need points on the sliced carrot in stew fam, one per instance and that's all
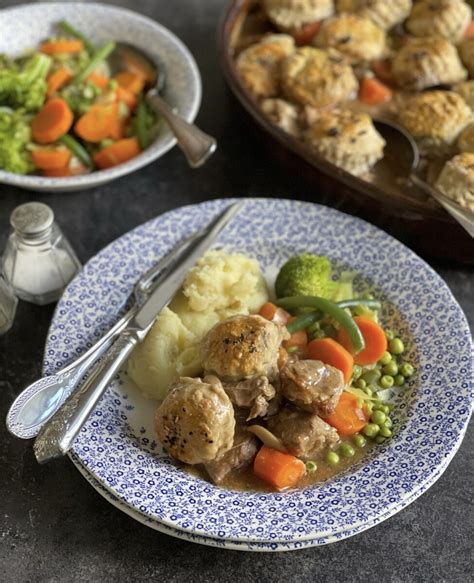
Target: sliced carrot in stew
(57, 79)
(374, 92)
(130, 81)
(65, 171)
(281, 470)
(99, 123)
(297, 341)
(271, 312)
(52, 122)
(129, 98)
(100, 81)
(62, 46)
(305, 34)
(51, 159)
(330, 352)
(117, 153)
(348, 417)
(374, 339)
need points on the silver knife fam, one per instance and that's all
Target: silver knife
(57, 435)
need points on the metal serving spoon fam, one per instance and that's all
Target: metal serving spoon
(402, 153)
(196, 145)
(40, 400)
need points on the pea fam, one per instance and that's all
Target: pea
(386, 381)
(311, 467)
(371, 376)
(368, 391)
(369, 408)
(407, 370)
(356, 372)
(389, 335)
(379, 439)
(385, 409)
(386, 358)
(396, 346)
(378, 417)
(385, 431)
(346, 450)
(360, 384)
(391, 368)
(371, 430)
(359, 440)
(332, 458)
(388, 423)
(399, 380)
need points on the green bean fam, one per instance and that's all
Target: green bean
(372, 304)
(69, 29)
(143, 137)
(333, 310)
(77, 149)
(99, 56)
(300, 322)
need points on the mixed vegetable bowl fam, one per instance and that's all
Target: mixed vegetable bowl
(63, 113)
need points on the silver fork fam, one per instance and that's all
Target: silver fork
(40, 400)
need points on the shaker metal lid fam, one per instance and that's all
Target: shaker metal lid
(32, 218)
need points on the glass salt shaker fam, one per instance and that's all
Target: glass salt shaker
(38, 260)
(8, 304)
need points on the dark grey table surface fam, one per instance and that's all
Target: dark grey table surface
(54, 527)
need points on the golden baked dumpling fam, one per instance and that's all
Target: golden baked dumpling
(315, 77)
(427, 62)
(282, 114)
(445, 18)
(466, 139)
(294, 14)
(435, 119)
(347, 139)
(456, 180)
(356, 37)
(258, 66)
(385, 13)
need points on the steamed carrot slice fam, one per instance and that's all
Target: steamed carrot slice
(304, 35)
(330, 352)
(64, 172)
(51, 159)
(100, 81)
(271, 312)
(134, 64)
(52, 122)
(57, 79)
(374, 339)
(62, 46)
(348, 417)
(281, 470)
(117, 153)
(130, 81)
(298, 340)
(99, 123)
(127, 97)
(374, 92)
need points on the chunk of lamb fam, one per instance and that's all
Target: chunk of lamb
(312, 386)
(243, 347)
(253, 394)
(304, 434)
(195, 422)
(241, 453)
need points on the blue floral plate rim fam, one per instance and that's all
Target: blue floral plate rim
(364, 243)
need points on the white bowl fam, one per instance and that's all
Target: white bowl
(24, 27)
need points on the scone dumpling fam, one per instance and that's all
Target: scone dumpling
(384, 13)
(282, 114)
(195, 422)
(466, 50)
(315, 77)
(435, 119)
(258, 66)
(444, 18)
(466, 91)
(356, 37)
(427, 62)
(347, 139)
(289, 15)
(456, 180)
(243, 347)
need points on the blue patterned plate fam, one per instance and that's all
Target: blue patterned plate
(24, 27)
(118, 446)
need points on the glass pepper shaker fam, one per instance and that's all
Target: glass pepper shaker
(8, 304)
(38, 260)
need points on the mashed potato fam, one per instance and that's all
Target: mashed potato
(219, 286)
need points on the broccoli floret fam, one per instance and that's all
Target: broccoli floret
(305, 275)
(25, 88)
(15, 134)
